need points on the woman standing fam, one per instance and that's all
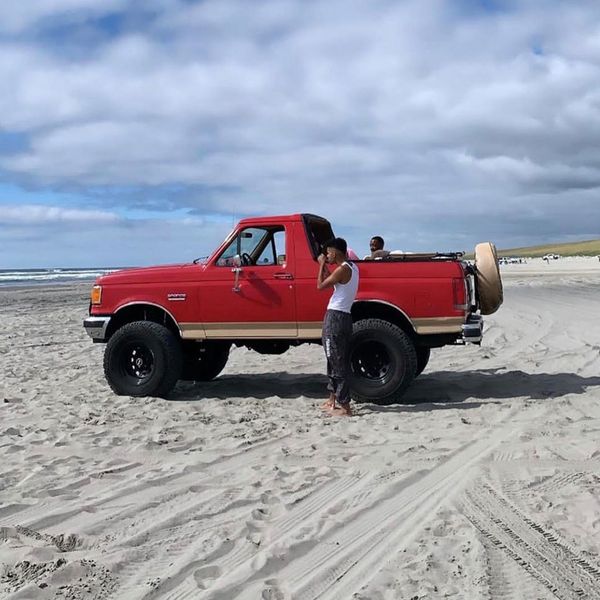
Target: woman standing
(337, 325)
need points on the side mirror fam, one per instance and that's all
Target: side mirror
(237, 261)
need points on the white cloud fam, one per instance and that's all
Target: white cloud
(407, 109)
(33, 215)
(50, 237)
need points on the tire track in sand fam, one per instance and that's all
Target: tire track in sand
(507, 581)
(138, 494)
(538, 551)
(349, 554)
(182, 578)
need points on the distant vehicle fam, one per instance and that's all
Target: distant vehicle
(511, 260)
(551, 256)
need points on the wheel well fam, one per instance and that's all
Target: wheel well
(386, 312)
(141, 312)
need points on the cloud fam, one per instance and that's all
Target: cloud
(425, 117)
(47, 236)
(17, 17)
(33, 215)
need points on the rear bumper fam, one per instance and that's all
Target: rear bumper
(96, 327)
(472, 330)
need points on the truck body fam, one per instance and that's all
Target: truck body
(258, 289)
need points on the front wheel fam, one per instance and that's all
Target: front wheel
(383, 362)
(142, 358)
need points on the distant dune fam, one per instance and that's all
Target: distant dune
(587, 248)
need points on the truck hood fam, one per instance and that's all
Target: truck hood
(158, 274)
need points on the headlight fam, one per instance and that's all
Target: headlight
(96, 295)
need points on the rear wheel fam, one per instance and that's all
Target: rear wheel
(142, 358)
(423, 354)
(204, 361)
(383, 362)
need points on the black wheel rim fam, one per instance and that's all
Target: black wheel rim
(371, 360)
(137, 362)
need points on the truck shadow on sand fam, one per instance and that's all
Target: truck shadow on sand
(435, 388)
(471, 389)
(260, 385)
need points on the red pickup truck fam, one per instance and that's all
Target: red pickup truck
(258, 289)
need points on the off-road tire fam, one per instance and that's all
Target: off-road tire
(145, 342)
(423, 355)
(204, 361)
(490, 294)
(378, 337)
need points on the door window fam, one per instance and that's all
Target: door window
(259, 246)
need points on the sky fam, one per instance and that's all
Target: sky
(137, 132)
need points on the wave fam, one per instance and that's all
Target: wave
(40, 276)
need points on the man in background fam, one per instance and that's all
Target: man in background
(376, 246)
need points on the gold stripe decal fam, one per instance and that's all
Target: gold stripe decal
(275, 330)
(308, 330)
(432, 325)
(192, 331)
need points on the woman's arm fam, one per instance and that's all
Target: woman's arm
(323, 273)
(325, 280)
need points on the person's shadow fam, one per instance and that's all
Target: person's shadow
(438, 389)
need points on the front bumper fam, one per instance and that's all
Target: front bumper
(96, 327)
(472, 330)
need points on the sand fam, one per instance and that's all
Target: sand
(485, 484)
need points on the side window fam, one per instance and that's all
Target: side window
(279, 239)
(252, 241)
(267, 256)
(226, 258)
(273, 249)
(256, 246)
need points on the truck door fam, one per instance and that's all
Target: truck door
(248, 290)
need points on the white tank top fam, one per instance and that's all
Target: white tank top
(344, 293)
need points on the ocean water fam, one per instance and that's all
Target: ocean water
(11, 277)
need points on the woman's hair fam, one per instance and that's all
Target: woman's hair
(337, 243)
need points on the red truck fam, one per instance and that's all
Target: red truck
(258, 289)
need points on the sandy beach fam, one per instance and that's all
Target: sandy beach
(484, 484)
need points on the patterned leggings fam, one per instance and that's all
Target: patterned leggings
(337, 329)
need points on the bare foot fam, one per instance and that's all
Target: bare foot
(341, 410)
(329, 404)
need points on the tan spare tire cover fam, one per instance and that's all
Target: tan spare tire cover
(489, 282)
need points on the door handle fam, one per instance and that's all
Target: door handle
(236, 281)
(283, 276)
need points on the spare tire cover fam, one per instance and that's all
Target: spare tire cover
(489, 282)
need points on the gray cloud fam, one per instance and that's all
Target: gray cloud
(439, 125)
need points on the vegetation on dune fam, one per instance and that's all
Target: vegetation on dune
(586, 248)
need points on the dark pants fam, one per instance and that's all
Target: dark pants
(337, 329)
